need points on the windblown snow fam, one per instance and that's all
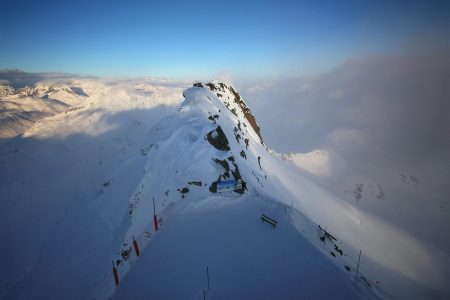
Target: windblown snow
(83, 163)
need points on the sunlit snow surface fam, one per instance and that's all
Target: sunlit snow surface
(77, 186)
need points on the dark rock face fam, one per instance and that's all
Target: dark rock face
(224, 165)
(248, 114)
(218, 139)
(213, 118)
(184, 190)
(238, 100)
(211, 86)
(236, 174)
(213, 186)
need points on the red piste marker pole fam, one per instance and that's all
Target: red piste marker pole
(155, 218)
(116, 275)
(136, 248)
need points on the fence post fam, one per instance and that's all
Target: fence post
(207, 275)
(357, 268)
(155, 218)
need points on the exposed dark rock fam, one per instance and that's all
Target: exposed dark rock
(218, 139)
(183, 191)
(243, 154)
(131, 208)
(247, 113)
(257, 178)
(198, 84)
(238, 100)
(213, 118)
(213, 186)
(211, 86)
(223, 163)
(238, 137)
(338, 250)
(197, 183)
(126, 253)
(236, 174)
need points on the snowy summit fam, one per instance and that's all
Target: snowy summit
(214, 141)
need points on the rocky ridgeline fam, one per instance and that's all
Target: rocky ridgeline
(223, 91)
(219, 140)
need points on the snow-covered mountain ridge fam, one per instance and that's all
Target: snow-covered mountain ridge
(135, 142)
(213, 137)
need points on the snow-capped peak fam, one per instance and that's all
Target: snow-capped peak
(233, 102)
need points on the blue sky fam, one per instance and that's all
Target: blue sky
(203, 38)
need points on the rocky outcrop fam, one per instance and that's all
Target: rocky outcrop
(221, 88)
(247, 113)
(218, 139)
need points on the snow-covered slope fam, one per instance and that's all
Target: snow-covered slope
(316, 162)
(79, 187)
(22, 107)
(411, 241)
(54, 173)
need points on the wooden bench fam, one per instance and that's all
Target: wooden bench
(269, 220)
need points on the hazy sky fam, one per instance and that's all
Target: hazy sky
(203, 38)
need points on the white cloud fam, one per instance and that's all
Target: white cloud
(345, 137)
(379, 117)
(400, 102)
